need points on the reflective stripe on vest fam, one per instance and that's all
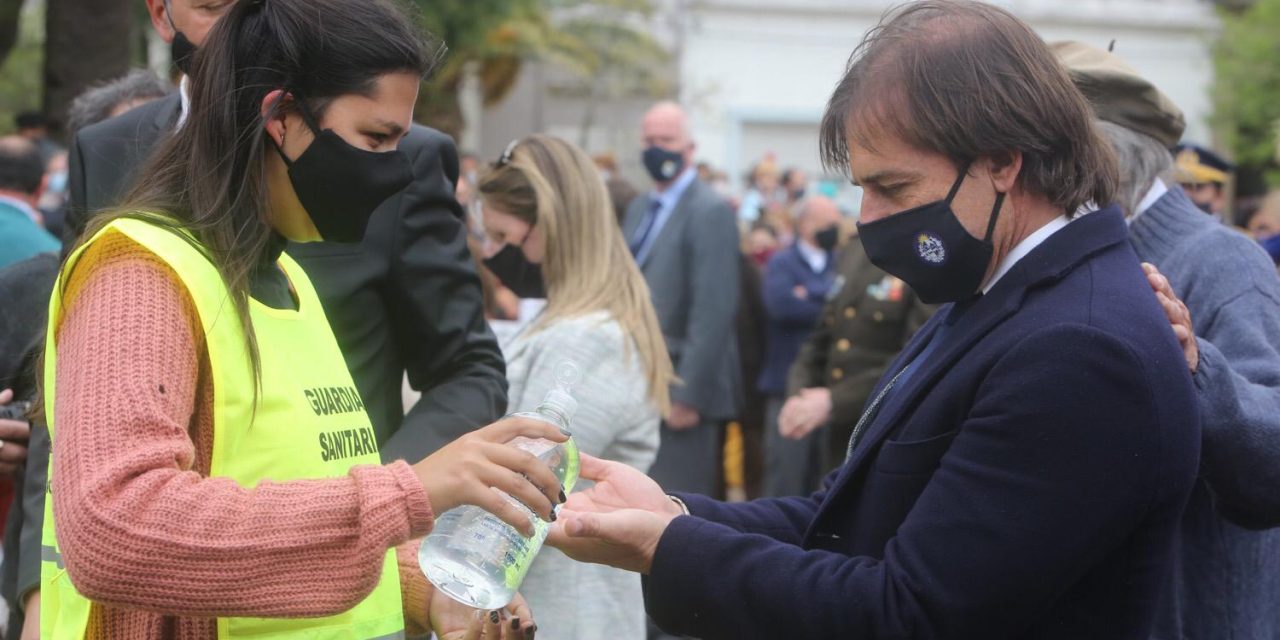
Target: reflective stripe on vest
(309, 423)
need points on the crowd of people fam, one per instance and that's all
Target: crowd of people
(1030, 388)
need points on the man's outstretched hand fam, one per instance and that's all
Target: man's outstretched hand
(618, 521)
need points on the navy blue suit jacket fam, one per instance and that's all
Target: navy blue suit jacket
(1025, 482)
(791, 319)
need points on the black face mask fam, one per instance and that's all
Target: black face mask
(182, 51)
(930, 250)
(828, 238)
(522, 277)
(340, 186)
(663, 165)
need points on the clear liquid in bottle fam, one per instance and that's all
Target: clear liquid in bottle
(472, 555)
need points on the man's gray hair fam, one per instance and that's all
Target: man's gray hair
(97, 104)
(1142, 159)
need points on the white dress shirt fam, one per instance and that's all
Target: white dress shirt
(1021, 249)
(817, 258)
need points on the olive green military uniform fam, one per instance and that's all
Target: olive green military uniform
(867, 320)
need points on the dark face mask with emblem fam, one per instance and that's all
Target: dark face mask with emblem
(662, 165)
(930, 250)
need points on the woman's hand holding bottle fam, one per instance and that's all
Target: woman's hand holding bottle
(467, 470)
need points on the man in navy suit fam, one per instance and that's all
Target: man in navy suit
(797, 282)
(1021, 469)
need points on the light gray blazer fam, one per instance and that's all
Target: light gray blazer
(693, 273)
(615, 421)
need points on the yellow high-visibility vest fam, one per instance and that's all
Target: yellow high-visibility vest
(309, 423)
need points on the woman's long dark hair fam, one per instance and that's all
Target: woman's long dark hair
(208, 178)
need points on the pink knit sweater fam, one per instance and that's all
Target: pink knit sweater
(159, 546)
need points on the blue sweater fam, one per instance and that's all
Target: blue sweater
(1226, 582)
(791, 319)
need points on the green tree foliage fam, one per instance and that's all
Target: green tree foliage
(10, 21)
(20, 72)
(494, 34)
(612, 57)
(590, 39)
(1246, 89)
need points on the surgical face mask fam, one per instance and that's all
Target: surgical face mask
(341, 186)
(57, 183)
(930, 250)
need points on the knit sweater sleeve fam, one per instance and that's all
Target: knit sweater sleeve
(139, 527)
(1238, 381)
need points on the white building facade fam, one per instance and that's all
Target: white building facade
(756, 74)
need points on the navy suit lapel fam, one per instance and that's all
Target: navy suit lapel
(985, 315)
(1058, 255)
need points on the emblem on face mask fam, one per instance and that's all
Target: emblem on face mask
(669, 168)
(930, 249)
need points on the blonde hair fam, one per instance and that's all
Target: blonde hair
(587, 267)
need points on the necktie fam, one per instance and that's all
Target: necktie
(646, 227)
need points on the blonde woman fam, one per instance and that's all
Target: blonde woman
(545, 197)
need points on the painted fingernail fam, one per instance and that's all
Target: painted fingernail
(493, 617)
(562, 496)
(532, 630)
(553, 515)
(515, 624)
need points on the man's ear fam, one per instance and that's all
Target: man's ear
(1005, 167)
(161, 21)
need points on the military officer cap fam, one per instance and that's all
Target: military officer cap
(1119, 94)
(1198, 165)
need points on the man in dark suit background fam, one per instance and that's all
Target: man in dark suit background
(1022, 467)
(868, 319)
(685, 239)
(797, 281)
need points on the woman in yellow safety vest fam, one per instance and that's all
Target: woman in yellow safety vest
(214, 474)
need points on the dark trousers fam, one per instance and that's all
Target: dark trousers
(791, 467)
(689, 460)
